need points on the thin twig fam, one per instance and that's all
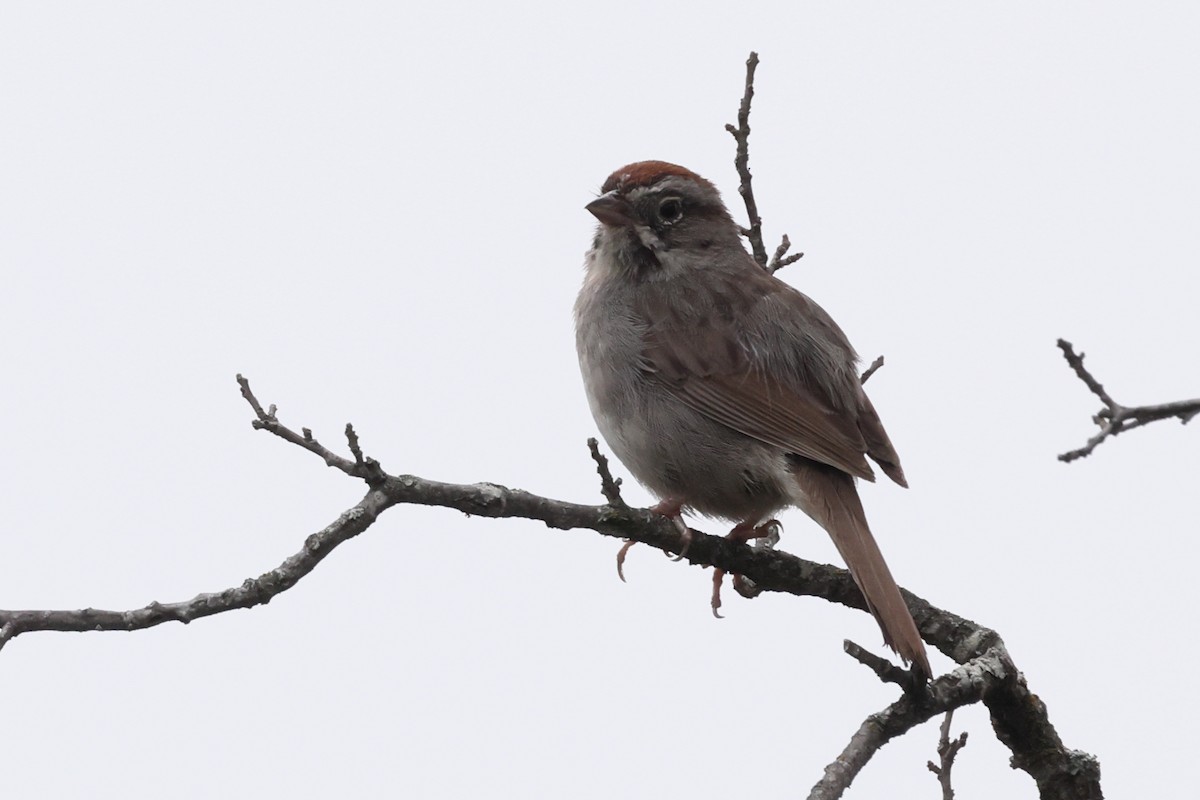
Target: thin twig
(1115, 418)
(871, 370)
(992, 678)
(352, 443)
(741, 161)
(610, 487)
(947, 750)
(741, 134)
(367, 469)
(253, 401)
(1076, 363)
(885, 670)
(779, 261)
(252, 592)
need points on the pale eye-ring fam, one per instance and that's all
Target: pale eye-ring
(670, 210)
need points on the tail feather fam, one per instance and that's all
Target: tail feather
(828, 496)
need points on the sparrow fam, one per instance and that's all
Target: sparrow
(723, 390)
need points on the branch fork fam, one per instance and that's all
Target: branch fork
(1115, 418)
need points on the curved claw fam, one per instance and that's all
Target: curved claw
(685, 534)
(768, 536)
(671, 508)
(621, 558)
(718, 577)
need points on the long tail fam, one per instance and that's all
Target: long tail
(829, 497)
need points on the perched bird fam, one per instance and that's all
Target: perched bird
(721, 388)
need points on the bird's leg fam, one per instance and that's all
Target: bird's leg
(718, 577)
(672, 509)
(742, 533)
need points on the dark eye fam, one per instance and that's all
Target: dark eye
(670, 210)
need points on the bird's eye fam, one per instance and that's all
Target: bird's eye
(670, 210)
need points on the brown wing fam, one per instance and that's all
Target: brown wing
(702, 354)
(879, 446)
(764, 409)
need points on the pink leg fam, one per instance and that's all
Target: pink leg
(718, 577)
(742, 533)
(672, 509)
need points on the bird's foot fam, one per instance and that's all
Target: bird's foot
(671, 509)
(742, 533)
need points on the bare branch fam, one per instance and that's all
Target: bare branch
(947, 751)
(884, 669)
(987, 673)
(741, 134)
(778, 261)
(1115, 418)
(1018, 718)
(252, 592)
(1076, 363)
(366, 468)
(253, 401)
(965, 685)
(610, 487)
(352, 443)
(871, 370)
(741, 161)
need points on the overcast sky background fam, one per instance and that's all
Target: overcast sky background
(375, 212)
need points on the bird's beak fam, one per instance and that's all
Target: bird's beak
(611, 209)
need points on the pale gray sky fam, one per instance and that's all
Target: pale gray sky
(375, 212)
